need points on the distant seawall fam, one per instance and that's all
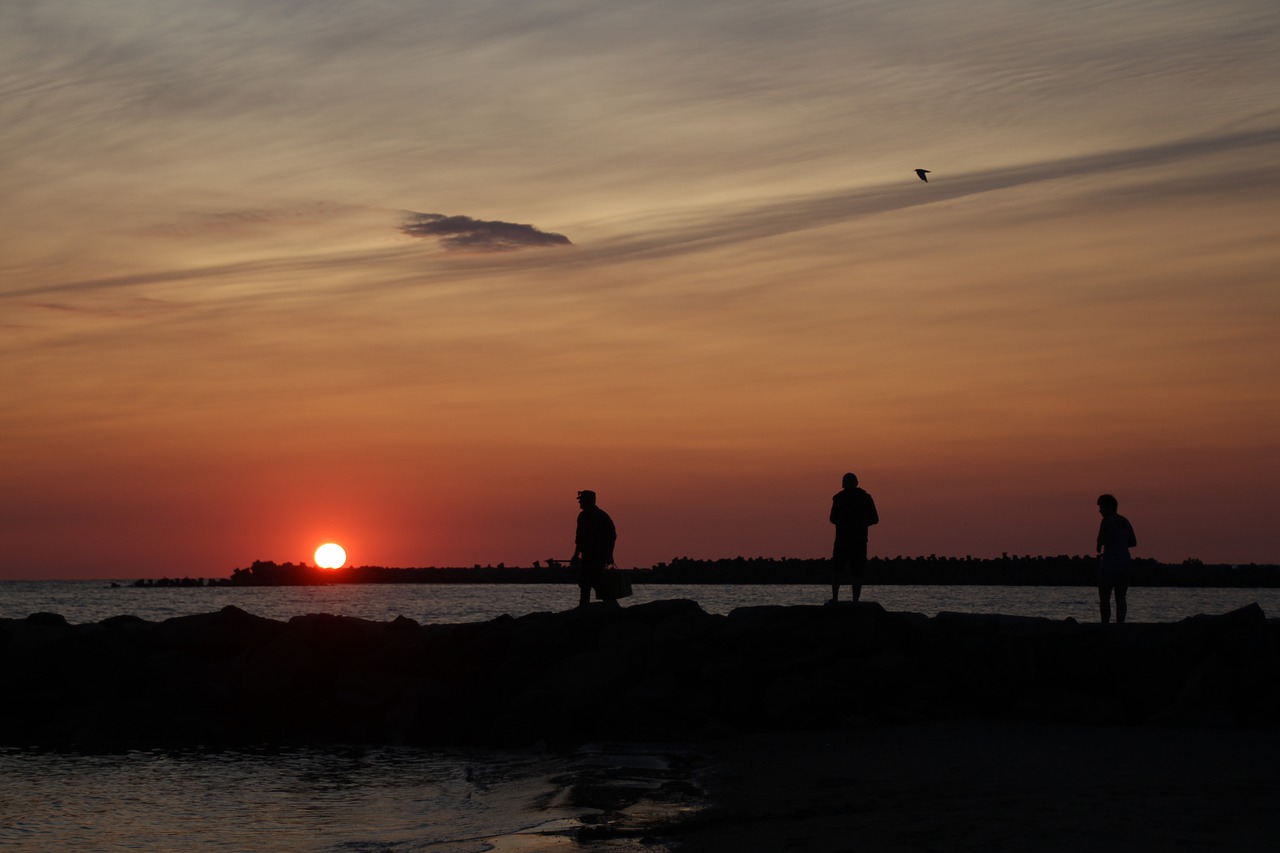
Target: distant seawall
(949, 571)
(660, 670)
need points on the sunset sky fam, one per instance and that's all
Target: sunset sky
(407, 275)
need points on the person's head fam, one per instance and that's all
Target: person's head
(850, 481)
(586, 498)
(1107, 504)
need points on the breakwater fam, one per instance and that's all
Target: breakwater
(656, 671)
(881, 571)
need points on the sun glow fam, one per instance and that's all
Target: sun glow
(331, 556)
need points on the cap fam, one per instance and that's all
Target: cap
(586, 493)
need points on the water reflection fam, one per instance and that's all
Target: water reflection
(319, 800)
(390, 799)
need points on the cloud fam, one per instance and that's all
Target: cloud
(464, 234)
(193, 224)
(684, 232)
(716, 227)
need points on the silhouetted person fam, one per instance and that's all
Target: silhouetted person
(593, 547)
(852, 512)
(1115, 538)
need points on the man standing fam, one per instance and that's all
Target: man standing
(593, 546)
(852, 512)
(1115, 538)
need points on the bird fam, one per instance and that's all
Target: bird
(923, 173)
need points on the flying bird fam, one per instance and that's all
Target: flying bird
(923, 173)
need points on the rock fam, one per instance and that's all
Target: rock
(661, 670)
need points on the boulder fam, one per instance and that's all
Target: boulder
(664, 669)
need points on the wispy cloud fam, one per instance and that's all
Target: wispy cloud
(193, 224)
(686, 231)
(464, 234)
(716, 226)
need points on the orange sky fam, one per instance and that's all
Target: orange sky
(229, 333)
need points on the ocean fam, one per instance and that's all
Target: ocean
(93, 601)
(396, 800)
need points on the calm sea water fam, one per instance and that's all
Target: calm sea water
(93, 601)
(401, 800)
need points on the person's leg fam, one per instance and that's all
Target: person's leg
(839, 567)
(1122, 606)
(1104, 602)
(591, 579)
(857, 567)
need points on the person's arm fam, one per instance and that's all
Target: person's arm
(577, 541)
(1102, 534)
(873, 517)
(1133, 537)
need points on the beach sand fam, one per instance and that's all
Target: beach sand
(991, 787)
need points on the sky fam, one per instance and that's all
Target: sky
(405, 276)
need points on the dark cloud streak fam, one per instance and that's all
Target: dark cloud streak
(464, 234)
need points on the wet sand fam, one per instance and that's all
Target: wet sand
(616, 798)
(992, 787)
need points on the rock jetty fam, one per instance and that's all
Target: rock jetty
(658, 671)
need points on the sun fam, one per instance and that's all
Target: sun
(331, 556)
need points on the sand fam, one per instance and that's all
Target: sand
(991, 787)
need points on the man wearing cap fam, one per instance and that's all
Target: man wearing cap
(593, 546)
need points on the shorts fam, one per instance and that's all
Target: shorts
(1115, 572)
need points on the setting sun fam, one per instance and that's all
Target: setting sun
(331, 556)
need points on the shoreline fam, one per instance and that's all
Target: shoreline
(985, 786)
